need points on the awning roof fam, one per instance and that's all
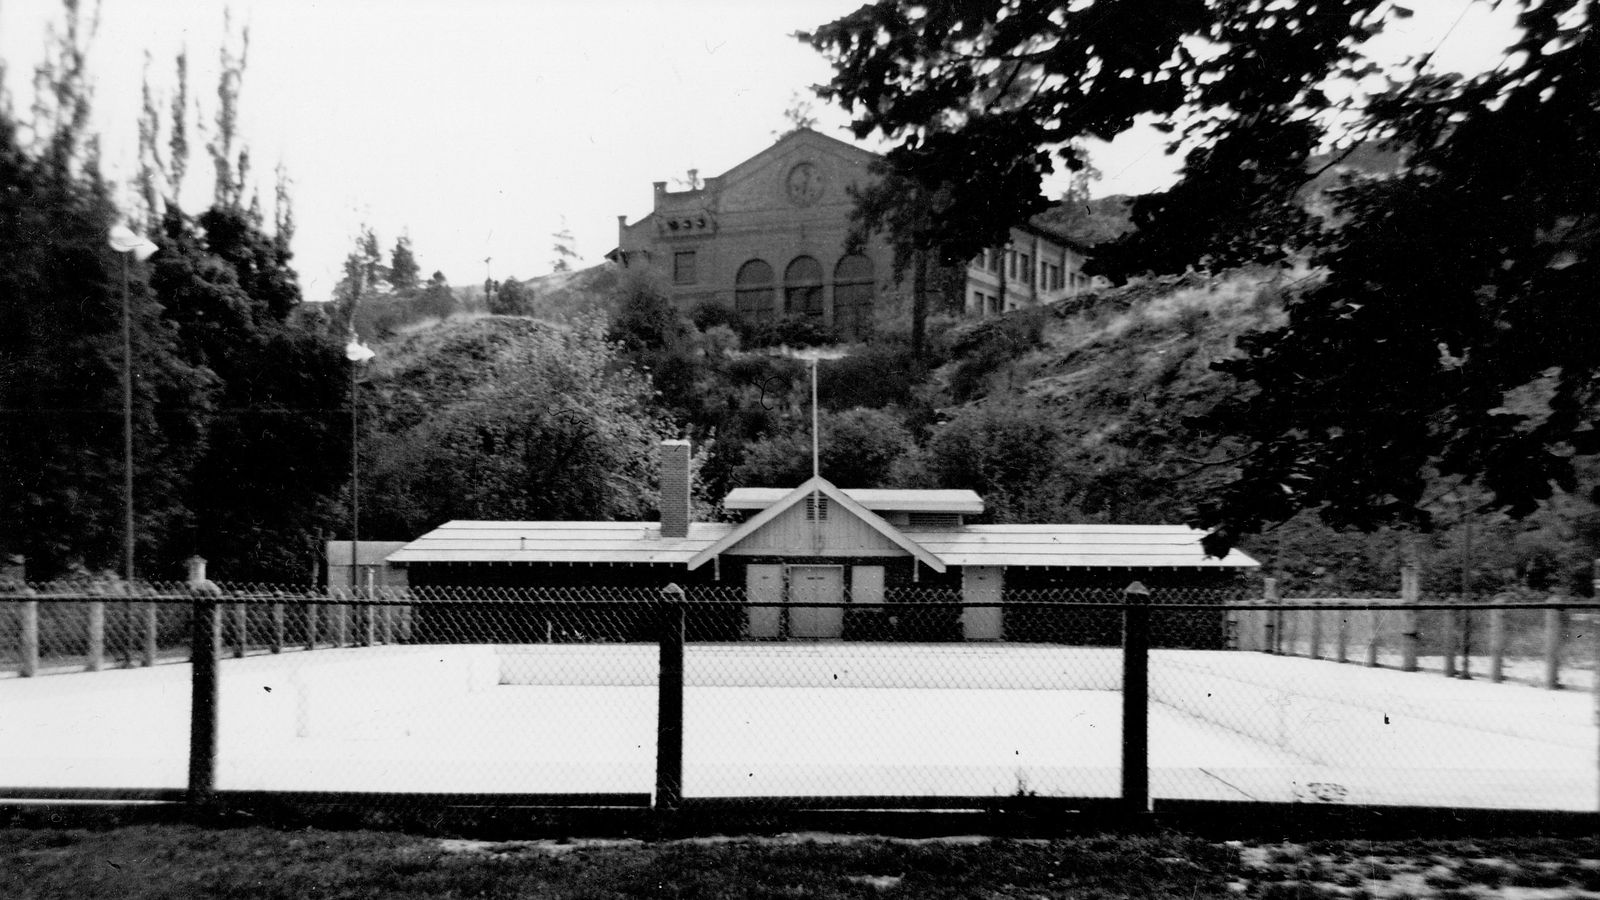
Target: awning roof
(468, 541)
(1075, 546)
(1061, 546)
(875, 499)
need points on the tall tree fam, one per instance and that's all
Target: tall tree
(403, 268)
(564, 249)
(61, 356)
(1460, 281)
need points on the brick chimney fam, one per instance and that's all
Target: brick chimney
(197, 569)
(674, 489)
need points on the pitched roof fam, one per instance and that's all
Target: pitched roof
(468, 541)
(877, 500)
(823, 486)
(1134, 546)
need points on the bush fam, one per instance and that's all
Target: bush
(788, 331)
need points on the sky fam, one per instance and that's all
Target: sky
(481, 127)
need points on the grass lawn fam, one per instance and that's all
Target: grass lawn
(188, 861)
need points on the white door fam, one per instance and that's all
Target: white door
(816, 584)
(981, 584)
(764, 584)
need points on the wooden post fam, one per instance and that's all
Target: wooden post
(241, 625)
(669, 711)
(152, 632)
(1497, 645)
(97, 636)
(1452, 642)
(1136, 698)
(1373, 639)
(30, 639)
(1272, 621)
(1410, 593)
(1341, 638)
(207, 646)
(1315, 651)
(1552, 649)
(277, 627)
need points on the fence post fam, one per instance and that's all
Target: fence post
(152, 632)
(313, 613)
(97, 636)
(1552, 649)
(277, 626)
(1452, 641)
(1497, 645)
(207, 643)
(30, 638)
(1375, 619)
(1271, 619)
(341, 623)
(669, 711)
(1342, 638)
(1410, 592)
(1315, 651)
(241, 625)
(1136, 698)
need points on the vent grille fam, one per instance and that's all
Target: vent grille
(816, 508)
(933, 520)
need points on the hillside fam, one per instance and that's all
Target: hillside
(1121, 374)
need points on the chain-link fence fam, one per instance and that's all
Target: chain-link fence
(914, 698)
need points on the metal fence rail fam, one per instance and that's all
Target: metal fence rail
(701, 698)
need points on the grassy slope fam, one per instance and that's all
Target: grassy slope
(182, 861)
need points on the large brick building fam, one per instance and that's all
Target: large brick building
(767, 238)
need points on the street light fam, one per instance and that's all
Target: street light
(357, 353)
(126, 243)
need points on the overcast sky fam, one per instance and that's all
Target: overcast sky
(479, 126)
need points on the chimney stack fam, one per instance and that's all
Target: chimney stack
(674, 489)
(197, 569)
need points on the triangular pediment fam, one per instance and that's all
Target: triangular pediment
(771, 532)
(804, 169)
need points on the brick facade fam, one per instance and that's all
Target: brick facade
(766, 238)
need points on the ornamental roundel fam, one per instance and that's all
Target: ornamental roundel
(804, 184)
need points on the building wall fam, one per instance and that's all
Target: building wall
(790, 201)
(793, 200)
(1037, 269)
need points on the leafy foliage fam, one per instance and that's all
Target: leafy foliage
(526, 421)
(858, 449)
(1462, 278)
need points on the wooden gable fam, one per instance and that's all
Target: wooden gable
(836, 532)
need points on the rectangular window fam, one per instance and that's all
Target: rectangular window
(683, 267)
(1027, 268)
(1011, 263)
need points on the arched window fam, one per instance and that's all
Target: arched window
(753, 291)
(802, 288)
(852, 296)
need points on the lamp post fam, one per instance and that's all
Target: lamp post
(357, 353)
(126, 243)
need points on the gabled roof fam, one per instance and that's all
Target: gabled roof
(466, 541)
(808, 135)
(875, 499)
(1133, 546)
(822, 486)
